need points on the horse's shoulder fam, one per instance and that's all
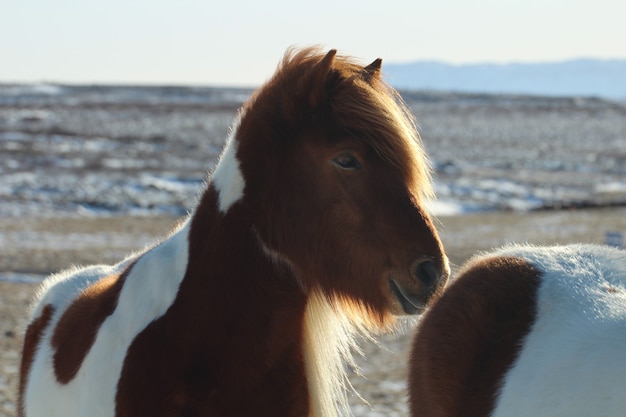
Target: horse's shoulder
(577, 279)
(571, 353)
(61, 289)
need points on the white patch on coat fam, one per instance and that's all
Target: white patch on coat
(329, 339)
(149, 290)
(572, 361)
(227, 177)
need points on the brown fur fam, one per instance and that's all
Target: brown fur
(233, 342)
(301, 95)
(470, 337)
(31, 342)
(214, 354)
(299, 136)
(238, 317)
(77, 329)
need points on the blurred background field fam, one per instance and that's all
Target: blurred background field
(89, 174)
(111, 151)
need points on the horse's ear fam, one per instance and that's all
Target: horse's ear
(372, 71)
(319, 78)
(329, 58)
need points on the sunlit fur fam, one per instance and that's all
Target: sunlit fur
(367, 108)
(382, 129)
(329, 339)
(364, 108)
(227, 177)
(252, 306)
(148, 291)
(372, 111)
(526, 331)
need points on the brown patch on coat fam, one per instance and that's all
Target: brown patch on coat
(470, 337)
(31, 343)
(230, 344)
(76, 331)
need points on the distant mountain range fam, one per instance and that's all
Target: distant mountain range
(581, 77)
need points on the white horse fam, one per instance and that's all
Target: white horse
(526, 331)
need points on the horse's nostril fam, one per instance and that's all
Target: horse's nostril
(427, 273)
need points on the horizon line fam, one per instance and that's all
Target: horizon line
(250, 86)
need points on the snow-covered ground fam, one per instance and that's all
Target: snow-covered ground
(144, 151)
(102, 152)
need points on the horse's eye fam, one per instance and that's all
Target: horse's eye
(347, 161)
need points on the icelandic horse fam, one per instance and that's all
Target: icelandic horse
(526, 331)
(311, 229)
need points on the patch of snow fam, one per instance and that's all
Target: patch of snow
(616, 187)
(22, 278)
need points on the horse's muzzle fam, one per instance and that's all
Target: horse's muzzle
(430, 278)
(429, 274)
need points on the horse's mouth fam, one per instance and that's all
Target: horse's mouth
(411, 304)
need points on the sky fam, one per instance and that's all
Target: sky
(239, 43)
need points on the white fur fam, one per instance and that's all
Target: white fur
(148, 291)
(329, 338)
(573, 361)
(227, 178)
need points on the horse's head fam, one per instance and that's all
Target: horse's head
(335, 178)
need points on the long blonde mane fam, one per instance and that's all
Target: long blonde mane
(329, 341)
(332, 329)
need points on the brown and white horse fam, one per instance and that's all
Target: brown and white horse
(311, 228)
(526, 331)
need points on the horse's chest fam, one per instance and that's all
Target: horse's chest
(199, 393)
(162, 377)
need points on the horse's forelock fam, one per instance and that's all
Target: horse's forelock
(311, 88)
(375, 113)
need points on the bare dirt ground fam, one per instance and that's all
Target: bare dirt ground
(40, 246)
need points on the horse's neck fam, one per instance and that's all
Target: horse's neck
(243, 312)
(250, 311)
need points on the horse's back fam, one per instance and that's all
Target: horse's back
(83, 324)
(39, 384)
(526, 331)
(573, 359)
(61, 289)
